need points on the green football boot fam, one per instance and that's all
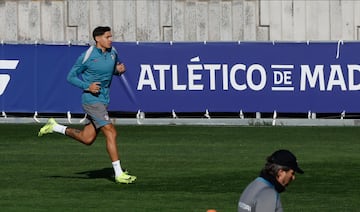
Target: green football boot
(125, 178)
(48, 127)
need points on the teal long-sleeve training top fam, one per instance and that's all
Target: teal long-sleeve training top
(97, 66)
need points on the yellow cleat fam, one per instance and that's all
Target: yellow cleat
(48, 127)
(125, 178)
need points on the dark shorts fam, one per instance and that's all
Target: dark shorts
(97, 114)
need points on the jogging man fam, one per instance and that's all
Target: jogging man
(96, 66)
(263, 194)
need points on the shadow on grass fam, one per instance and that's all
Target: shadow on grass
(105, 173)
(215, 182)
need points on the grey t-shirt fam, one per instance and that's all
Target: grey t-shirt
(260, 196)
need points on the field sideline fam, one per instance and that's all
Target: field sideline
(179, 168)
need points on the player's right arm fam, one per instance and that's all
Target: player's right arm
(73, 76)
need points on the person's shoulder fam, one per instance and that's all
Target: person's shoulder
(87, 51)
(265, 186)
(113, 49)
(267, 191)
(90, 52)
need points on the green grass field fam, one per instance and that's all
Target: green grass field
(179, 168)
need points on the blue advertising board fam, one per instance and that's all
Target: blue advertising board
(289, 77)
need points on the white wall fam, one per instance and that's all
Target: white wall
(180, 20)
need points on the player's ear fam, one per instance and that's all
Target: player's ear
(97, 38)
(280, 173)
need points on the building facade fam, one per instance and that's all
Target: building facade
(180, 20)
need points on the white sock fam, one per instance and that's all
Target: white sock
(59, 128)
(117, 168)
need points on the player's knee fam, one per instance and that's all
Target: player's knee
(89, 140)
(114, 133)
(110, 131)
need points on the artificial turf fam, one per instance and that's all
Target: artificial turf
(179, 168)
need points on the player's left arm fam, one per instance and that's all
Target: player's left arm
(119, 66)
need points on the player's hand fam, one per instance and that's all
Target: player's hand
(94, 87)
(120, 67)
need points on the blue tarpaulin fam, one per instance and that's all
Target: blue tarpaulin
(289, 77)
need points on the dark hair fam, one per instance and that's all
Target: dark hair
(100, 30)
(273, 169)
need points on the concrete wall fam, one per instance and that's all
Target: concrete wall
(180, 20)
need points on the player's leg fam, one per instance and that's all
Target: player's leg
(99, 117)
(111, 146)
(86, 136)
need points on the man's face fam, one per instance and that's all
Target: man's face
(104, 41)
(286, 177)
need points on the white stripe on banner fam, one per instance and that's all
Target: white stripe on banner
(4, 80)
(282, 88)
(8, 64)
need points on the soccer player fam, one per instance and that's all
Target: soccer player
(96, 66)
(263, 194)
